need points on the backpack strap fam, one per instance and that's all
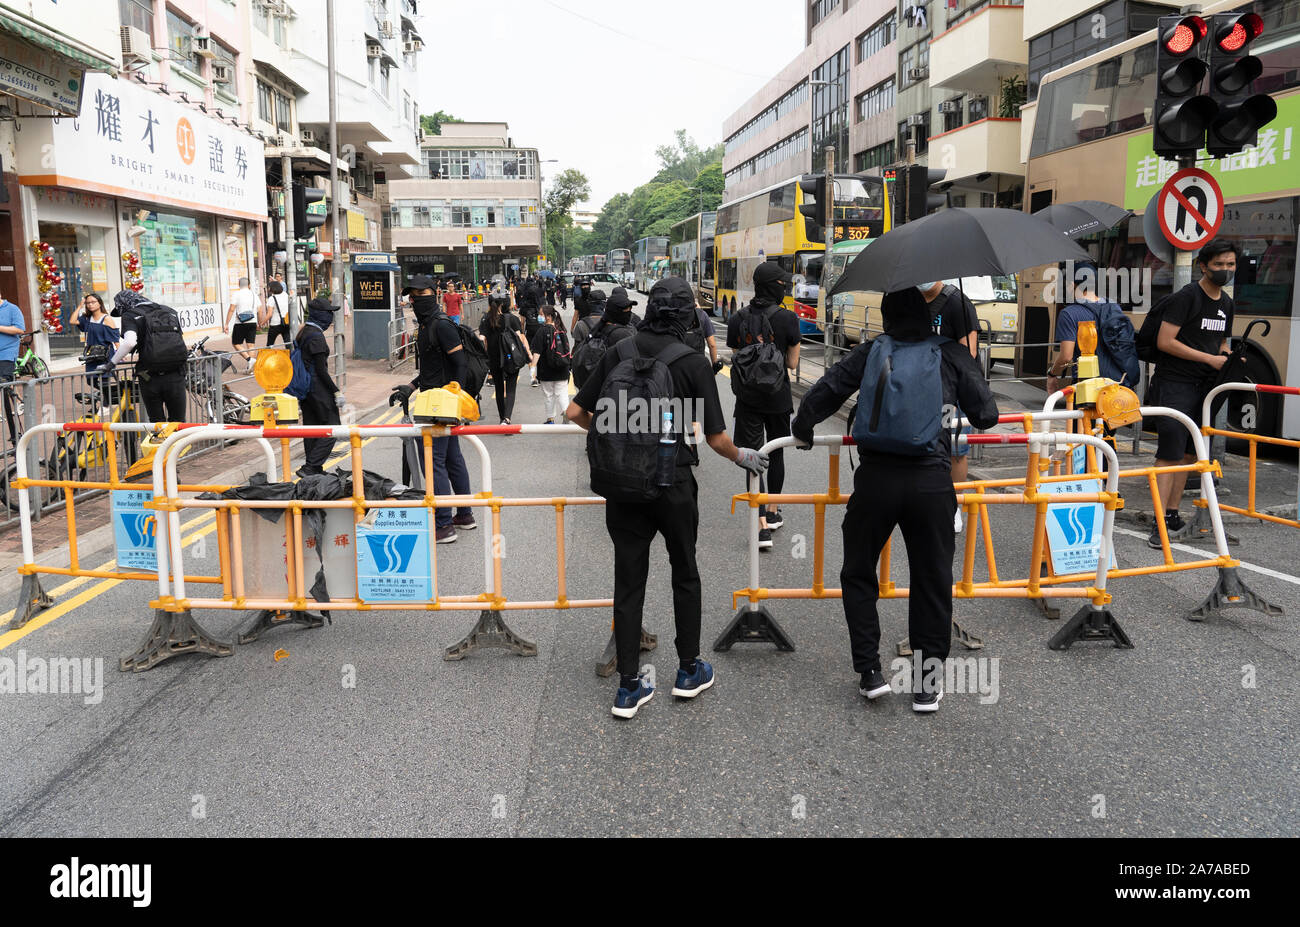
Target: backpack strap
(672, 354)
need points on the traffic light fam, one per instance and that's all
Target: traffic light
(1232, 73)
(914, 196)
(1181, 114)
(303, 221)
(816, 194)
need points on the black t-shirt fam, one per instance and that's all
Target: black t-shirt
(432, 345)
(693, 381)
(1203, 324)
(541, 341)
(316, 351)
(954, 314)
(785, 332)
(493, 335)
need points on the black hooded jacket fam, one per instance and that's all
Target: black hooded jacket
(964, 386)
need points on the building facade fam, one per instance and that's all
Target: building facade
(472, 181)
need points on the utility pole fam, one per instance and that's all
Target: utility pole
(1183, 260)
(291, 246)
(336, 263)
(826, 258)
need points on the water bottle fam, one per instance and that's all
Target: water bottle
(666, 467)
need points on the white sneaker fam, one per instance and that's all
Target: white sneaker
(956, 522)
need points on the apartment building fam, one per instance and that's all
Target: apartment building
(840, 90)
(472, 180)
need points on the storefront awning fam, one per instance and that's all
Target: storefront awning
(38, 35)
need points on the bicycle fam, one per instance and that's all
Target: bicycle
(76, 453)
(28, 364)
(234, 407)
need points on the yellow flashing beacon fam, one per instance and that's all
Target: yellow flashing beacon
(273, 370)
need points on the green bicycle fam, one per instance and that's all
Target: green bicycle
(28, 364)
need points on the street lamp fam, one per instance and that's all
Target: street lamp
(541, 198)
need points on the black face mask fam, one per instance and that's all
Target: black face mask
(424, 306)
(1220, 277)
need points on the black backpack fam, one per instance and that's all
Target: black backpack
(695, 339)
(513, 356)
(590, 353)
(757, 368)
(624, 457)
(1150, 331)
(163, 347)
(557, 356)
(476, 361)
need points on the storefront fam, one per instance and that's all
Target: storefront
(144, 179)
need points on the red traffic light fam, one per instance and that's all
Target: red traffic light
(1180, 39)
(1236, 35)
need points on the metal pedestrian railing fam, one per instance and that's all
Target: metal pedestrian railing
(402, 330)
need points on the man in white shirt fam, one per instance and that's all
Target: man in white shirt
(243, 308)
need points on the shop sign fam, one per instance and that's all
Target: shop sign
(132, 142)
(40, 76)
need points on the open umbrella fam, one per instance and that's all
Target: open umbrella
(956, 243)
(546, 273)
(1083, 217)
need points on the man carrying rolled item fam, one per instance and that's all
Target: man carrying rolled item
(910, 383)
(639, 407)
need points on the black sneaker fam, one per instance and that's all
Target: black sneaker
(1154, 540)
(873, 685)
(774, 520)
(1176, 527)
(765, 539)
(446, 534)
(927, 701)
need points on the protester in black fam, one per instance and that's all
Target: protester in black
(772, 283)
(440, 360)
(495, 327)
(552, 358)
(321, 405)
(632, 526)
(586, 314)
(528, 300)
(162, 389)
(1193, 340)
(954, 317)
(890, 490)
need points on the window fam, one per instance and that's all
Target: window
(880, 156)
(820, 9)
(137, 13)
(281, 31)
(921, 134)
(877, 37)
(1076, 40)
(283, 112)
(265, 102)
(913, 57)
(781, 151)
(952, 117)
(179, 37)
(790, 101)
(878, 99)
(830, 105)
(780, 204)
(480, 164)
(225, 56)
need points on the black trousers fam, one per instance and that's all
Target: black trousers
(921, 501)
(751, 426)
(317, 410)
(277, 331)
(632, 527)
(163, 395)
(504, 388)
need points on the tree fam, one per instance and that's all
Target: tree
(685, 160)
(569, 188)
(432, 125)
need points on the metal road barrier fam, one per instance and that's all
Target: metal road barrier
(32, 597)
(1254, 440)
(286, 598)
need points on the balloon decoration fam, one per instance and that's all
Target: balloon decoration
(131, 270)
(48, 281)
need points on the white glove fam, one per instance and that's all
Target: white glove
(753, 461)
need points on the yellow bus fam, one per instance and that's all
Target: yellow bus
(767, 226)
(1092, 140)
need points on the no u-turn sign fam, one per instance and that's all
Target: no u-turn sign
(1190, 208)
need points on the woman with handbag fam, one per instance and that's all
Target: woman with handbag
(275, 314)
(102, 337)
(507, 353)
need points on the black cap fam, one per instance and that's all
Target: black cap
(419, 282)
(619, 299)
(597, 296)
(772, 272)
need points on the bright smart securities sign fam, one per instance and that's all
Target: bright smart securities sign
(132, 142)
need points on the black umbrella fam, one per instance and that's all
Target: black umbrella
(1083, 217)
(956, 243)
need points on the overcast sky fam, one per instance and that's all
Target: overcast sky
(627, 72)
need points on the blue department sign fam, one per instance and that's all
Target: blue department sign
(393, 556)
(129, 141)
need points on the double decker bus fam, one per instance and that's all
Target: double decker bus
(690, 255)
(618, 262)
(645, 253)
(590, 263)
(1092, 140)
(767, 226)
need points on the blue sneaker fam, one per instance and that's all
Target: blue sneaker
(689, 685)
(627, 701)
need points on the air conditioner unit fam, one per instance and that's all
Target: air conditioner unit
(917, 74)
(413, 46)
(201, 45)
(950, 106)
(308, 136)
(136, 45)
(222, 73)
(374, 51)
(917, 119)
(386, 29)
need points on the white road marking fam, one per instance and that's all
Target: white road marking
(1285, 577)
